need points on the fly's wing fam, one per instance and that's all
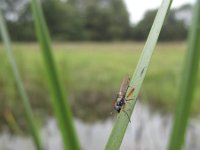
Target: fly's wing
(124, 86)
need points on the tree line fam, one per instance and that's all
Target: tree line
(94, 20)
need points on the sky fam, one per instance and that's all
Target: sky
(137, 8)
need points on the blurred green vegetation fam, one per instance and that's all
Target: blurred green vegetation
(92, 20)
(100, 67)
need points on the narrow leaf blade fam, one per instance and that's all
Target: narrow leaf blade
(60, 104)
(20, 87)
(122, 121)
(189, 78)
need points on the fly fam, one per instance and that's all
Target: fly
(121, 98)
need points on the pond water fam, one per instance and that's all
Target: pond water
(147, 131)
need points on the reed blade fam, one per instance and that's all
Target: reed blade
(187, 86)
(59, 102)
(122, 120)
(24, 98)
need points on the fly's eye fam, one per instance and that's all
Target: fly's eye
(119, 103)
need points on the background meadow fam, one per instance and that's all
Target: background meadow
(93, 71)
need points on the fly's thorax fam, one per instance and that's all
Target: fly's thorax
(119, 98)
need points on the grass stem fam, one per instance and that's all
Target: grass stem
(20, 87)
(189, 78)
(122, 121)
(60, 104)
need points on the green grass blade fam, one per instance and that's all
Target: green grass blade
(122, 120)
(60, 105)
(20, 87)
(189, 78)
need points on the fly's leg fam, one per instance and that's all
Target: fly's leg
(123, 109)
(128, 100)
(131, 99)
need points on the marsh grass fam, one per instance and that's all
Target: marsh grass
(188, 84)
(60, 104)
(122, 121)
(24, 98)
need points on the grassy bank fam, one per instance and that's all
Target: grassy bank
(100, 67)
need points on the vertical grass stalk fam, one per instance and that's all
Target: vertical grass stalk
(59, 103)
(20, 87)
(189, 78)
(122, 120)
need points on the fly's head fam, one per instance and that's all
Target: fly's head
(118, 105)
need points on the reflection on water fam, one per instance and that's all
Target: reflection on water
(148, 131)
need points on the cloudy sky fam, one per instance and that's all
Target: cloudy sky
(137, 8)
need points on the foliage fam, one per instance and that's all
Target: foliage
(64, 21)
(97, 20)
(17, 14)
(107, 21)
(173, 29)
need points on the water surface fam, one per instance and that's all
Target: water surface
(147, 131)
